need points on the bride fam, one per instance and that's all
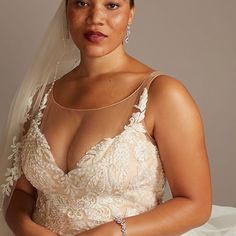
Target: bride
(93, 134)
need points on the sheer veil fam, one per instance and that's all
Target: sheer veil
(57, 54)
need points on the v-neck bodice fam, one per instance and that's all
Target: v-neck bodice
(121, 174)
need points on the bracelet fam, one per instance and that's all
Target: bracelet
(121, 221)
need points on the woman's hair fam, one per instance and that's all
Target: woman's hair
(131, 2)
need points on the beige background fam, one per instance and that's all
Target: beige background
(192, 40)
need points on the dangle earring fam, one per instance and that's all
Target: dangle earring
(127, 33)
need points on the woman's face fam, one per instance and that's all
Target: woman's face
(110, 17)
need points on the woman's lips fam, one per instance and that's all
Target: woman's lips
(94, 37)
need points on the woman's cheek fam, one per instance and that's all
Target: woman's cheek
(72, 18)
(120, 23)
(75, 24)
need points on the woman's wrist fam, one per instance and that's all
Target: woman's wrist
(112, 228)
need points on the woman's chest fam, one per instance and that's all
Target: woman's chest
(112, 165)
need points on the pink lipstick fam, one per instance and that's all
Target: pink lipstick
(94, 36)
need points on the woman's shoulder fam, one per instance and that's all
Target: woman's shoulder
(169, 96)
(164, 86)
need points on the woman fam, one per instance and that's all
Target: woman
(99, 140)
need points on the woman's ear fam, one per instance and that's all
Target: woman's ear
(132, 13)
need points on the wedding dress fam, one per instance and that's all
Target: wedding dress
(119, 171)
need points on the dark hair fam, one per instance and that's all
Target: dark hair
(131, 2)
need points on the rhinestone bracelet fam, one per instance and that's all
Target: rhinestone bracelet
(121, 221)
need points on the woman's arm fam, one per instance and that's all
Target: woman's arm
(20, 209)
(178, 131)
(18, 215)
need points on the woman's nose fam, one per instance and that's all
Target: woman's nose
(95, 16)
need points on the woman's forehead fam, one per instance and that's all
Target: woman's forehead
(99, 0)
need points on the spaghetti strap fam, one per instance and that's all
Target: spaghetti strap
(43, 105)
(155, 74)
(138, 116)
(44, 100)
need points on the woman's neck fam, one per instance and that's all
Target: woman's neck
(114, 61)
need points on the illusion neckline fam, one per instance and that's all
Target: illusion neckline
(106, 140)
(103, 107)
(133, 119)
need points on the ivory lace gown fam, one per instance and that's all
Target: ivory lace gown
(119, 171)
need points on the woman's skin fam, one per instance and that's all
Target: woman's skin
(172, 119)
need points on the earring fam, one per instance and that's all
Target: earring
(127, 33)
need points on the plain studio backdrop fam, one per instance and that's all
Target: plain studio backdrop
(191, 40)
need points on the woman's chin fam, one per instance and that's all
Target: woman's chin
(94, 52)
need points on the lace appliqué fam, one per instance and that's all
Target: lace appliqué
(139, 116)
(14, 172)
(119, 176)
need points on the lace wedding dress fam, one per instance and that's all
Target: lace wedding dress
(119, 171)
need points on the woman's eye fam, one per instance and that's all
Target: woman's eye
(113, 5)
(80, 3)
